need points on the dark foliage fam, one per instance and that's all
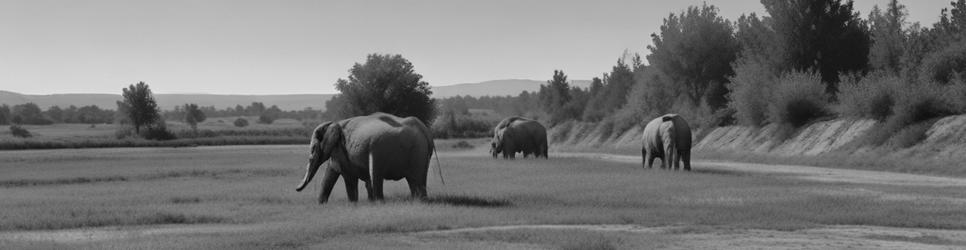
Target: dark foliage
(241, 122)
(29, 113)
(18, 131)
(694, 52)
(384, 83)
(823, 35)
(141, 108)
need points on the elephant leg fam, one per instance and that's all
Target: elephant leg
(377, 187)
(686, 157)
(647, 158)
(352, 188)
(416, 188)
(328, 182)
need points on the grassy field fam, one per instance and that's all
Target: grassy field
(243, 197)
(213, 132)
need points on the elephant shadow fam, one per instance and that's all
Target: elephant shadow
(468, 201)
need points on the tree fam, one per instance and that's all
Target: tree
(554, 97)
(4, 114)
(694, 52)
(888, 37)
(55, 114)
(142, 109)
(384, 83)
(823, 35)
(29, 113)
(193, 115)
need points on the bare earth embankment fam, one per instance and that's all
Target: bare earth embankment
(241, 197)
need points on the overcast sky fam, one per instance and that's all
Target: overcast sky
(298, 47)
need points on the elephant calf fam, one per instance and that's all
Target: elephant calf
(372, 148)
(518, 134)
(667, 137)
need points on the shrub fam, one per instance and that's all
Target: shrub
(20, 132)
(749, 91)
(873, 96)
(944, 65)
(266, 119)
(241, 122)
(799, 98)
(917, 104)
(158, 131)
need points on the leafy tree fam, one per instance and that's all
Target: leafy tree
(142, 109)
(888, 36)
(554, 97)
(612, 95)
(122, 116)
(55, 114)
(593, 111)
(193, 115)
(4, 114)
(694, 51)
(256, 108)
(29, 113)
(825, 35)
(384, 83)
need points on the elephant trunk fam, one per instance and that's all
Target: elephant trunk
(309, 173)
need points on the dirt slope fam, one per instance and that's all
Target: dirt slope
(946, 138)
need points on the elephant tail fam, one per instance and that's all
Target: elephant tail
(439, 168)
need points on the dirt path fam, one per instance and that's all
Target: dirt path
(679, 237)
(801, 172)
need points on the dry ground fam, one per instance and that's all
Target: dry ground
(242, 197)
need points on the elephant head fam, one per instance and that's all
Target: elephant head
(496, 144)
(326, 143)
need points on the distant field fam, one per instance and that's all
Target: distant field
(242, 197)
(214, 131)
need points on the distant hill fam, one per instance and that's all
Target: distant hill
(511, 87)
(169, 101)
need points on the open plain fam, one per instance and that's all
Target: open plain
(242, 197)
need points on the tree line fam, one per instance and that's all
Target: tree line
(804, 60)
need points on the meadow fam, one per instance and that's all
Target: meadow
(215, 131)
(242, 197)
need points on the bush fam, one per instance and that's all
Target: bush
(158, 131)
(917, 104)
(20, 132)
(266, 119)
(749, 92)
(944, 65)
(241, 122)
(799, 98)
(873, 96)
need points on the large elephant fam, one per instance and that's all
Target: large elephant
(372, 148)
(667, 137)
(517, 134)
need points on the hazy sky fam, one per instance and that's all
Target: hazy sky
(295, 47)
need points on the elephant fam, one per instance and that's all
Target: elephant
(370, 148)
(518, 134)
(667, 137)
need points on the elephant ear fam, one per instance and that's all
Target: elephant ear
(331, 137)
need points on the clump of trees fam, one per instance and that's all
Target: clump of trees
(802, 61)
(193, 115)
(384, 83)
